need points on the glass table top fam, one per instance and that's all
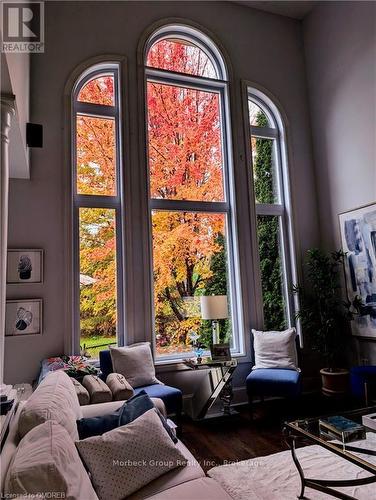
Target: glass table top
(356, 443)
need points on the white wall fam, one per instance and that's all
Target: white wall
(263, 48)
(340, 46)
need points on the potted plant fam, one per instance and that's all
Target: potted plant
(325, 315)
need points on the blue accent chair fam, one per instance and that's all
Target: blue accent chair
(171, 396)
(363, 380)
(276, 382)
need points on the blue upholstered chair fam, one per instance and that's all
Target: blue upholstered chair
(363, 382)
(265, 382)
(171, 396)
(274, 382)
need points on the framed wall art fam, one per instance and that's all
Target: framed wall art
(24, 266)
(23, 317)
(358, 235)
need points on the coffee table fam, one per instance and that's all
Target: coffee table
(361, 453)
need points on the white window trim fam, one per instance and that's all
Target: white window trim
(98, 201)
(283, 208)
(227, 207)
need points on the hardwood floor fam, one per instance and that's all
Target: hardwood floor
(215, 442)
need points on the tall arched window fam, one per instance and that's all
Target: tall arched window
(273, 210)
(190, 190)
(97, 194)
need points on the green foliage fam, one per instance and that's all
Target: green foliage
(268, 235)
(323, 314)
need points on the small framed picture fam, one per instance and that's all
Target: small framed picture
(220, 352)
(25, 266)
(23, 317)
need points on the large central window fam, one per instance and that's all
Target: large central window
(190, 188)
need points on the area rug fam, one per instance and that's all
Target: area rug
(275, 477)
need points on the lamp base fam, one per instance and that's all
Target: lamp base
(215, 332)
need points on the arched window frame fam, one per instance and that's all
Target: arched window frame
(114, 202)
(282, 208)
(228, 207)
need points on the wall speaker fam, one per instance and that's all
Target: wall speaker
(34, 135)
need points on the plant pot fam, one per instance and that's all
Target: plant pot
(336, 382)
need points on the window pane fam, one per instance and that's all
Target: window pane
(268, 231)
(99, 90)
(185, 146)
(97, 278)
(264, 170)
(182, 57)
(96, 156)
(257, 117)
(189, 260)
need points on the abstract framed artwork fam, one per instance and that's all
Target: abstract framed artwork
(24, 266)
(358, 235)
(23, 317)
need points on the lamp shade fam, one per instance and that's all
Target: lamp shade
(214, 307)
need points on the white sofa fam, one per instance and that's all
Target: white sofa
(183, 483)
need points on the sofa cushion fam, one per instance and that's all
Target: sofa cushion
(135, 362)
(99, 391)
(120, 387)
(82, 394)
(125, 459)
(47, 464)
(173, 478)
(127, 413)
(275, 349)
(105, 408)
(55, 398)
(203, 488)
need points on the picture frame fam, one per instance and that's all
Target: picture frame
(24, 266)
(358, 239)
(23, 317)
(220, 352)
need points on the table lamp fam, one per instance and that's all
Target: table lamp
(214, 307)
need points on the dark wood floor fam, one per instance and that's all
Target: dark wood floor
(213, 442)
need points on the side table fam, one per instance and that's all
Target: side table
(217, 385)
(19, 392)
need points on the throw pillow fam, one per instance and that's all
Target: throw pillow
(46, 465)
(55, 398)
(275, 349)
(127, 413)
(127, 458)
(120, 387)
(99, 392)
(135, 363)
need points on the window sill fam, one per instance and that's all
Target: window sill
(175, 365)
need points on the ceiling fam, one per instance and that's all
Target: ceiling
(295, 9)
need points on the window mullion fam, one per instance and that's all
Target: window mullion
(269, 209)
(191, 206)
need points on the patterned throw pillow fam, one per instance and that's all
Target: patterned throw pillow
(127, 458)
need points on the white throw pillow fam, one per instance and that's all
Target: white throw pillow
(47, 465)
(275, 349)
(55, 398)
(135, 363)
(125, 459)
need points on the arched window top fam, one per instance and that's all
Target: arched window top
(97, 85)
(183, 49)
(98, 90)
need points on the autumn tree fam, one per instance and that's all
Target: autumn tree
(185, 161)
